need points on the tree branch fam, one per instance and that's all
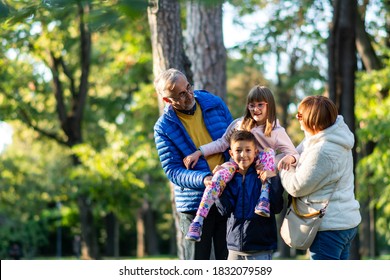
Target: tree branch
(28, 121)
(69, 75)
(58, 91)
(85, 41)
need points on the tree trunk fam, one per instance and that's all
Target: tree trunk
(365, 48)
(367, 227)
(140, 235)
(89, 240)
(167, 39)
(342, 67)
(205, 47)
(147, 238)
(71, 120)
(371, 62)
(151, 236)
(112, 230)
(168, 52)
(342, 60)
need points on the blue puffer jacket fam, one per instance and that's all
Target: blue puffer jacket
(247, 231)
(174, 143)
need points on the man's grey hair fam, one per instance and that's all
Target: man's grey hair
(166, 81)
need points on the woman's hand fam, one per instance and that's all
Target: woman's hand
(285, 162)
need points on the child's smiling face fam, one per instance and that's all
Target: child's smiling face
(243, 153)
(258, 111)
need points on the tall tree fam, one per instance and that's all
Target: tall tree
(342, 68)
(167, 39)
(342, 59)
(205, 47)
(70, 89)
(54, 48)
(168, 52)
(371, 62)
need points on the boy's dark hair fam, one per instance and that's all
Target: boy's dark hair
(242, 135)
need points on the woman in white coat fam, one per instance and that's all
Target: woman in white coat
(326, 164)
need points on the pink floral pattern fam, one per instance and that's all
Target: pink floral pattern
(219, 181)
(267, 158)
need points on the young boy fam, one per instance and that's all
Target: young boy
(249, 236)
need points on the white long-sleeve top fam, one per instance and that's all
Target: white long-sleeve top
(278, 141)
(325, 164)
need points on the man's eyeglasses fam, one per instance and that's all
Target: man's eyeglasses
(299, 116)
(182, 95)
(259, 106)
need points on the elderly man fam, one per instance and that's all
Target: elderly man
(191, 118)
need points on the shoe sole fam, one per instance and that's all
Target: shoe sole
(192, 239)
(263, 214)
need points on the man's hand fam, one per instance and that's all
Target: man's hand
(259, 168)
(216, 168)
(266, 174)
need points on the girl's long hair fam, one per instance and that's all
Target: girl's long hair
(260, 94)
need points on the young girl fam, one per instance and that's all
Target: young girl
(260, 119)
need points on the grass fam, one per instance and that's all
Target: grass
(172, 257)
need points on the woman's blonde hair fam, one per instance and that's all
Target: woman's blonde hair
(260, 94)
(317, 112)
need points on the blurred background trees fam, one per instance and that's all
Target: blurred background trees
(77, 89)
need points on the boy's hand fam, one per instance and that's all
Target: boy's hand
(191, 160)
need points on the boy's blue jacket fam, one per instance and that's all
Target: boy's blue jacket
(247, 231)
(173, 143)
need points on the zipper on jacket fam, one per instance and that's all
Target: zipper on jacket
(243, 211)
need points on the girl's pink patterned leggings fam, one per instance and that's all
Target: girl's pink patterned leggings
(267, 159)
(219, 180)
(224, 175)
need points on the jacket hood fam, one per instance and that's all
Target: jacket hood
(339, 134)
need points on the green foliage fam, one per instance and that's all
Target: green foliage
(4, 10)
(119, 176)
(241, 78)
(30, 185)
(119, 165)
(287, 45)
(373, 127)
